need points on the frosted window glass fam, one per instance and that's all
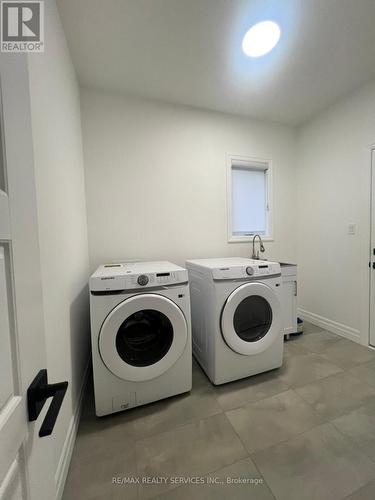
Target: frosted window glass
(248, 201)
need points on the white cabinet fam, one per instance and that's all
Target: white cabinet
(289, 297)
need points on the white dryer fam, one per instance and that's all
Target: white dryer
(141, 334)
(236, 316)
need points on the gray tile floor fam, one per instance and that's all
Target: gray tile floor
(305, 431)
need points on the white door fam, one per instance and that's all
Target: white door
(25, 459)
(251, 318)
(372, 253)
(142, 337)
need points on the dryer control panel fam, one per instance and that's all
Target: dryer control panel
(136, 275)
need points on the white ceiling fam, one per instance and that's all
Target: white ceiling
(189, 51)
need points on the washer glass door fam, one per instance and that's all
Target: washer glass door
(142, 337)
(251, 318)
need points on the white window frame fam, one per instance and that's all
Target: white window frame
(250, 162)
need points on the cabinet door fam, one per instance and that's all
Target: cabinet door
(289, 306)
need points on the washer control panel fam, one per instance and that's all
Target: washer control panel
(133, 276)
(253, 269)
(154, 279)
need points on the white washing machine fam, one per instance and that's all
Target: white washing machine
(141, 334)
(236, 316)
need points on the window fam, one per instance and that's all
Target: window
(249, 198)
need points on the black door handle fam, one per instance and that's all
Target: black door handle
(38, 393)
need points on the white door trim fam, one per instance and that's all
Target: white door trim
(370, 288)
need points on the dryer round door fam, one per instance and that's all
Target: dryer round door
(251, 318)
(142, 337)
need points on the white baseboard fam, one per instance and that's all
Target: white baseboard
(332, 326)
(66, 454)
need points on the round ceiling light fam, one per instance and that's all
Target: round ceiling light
(261, 38)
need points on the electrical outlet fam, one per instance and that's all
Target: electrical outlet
(352, 228)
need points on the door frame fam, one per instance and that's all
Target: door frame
(370, 237)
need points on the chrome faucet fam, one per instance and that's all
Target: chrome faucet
(261, 247)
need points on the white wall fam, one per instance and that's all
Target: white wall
(156, 179)
(333, 190)
(56, 125)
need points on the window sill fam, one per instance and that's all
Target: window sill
(248, 239)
